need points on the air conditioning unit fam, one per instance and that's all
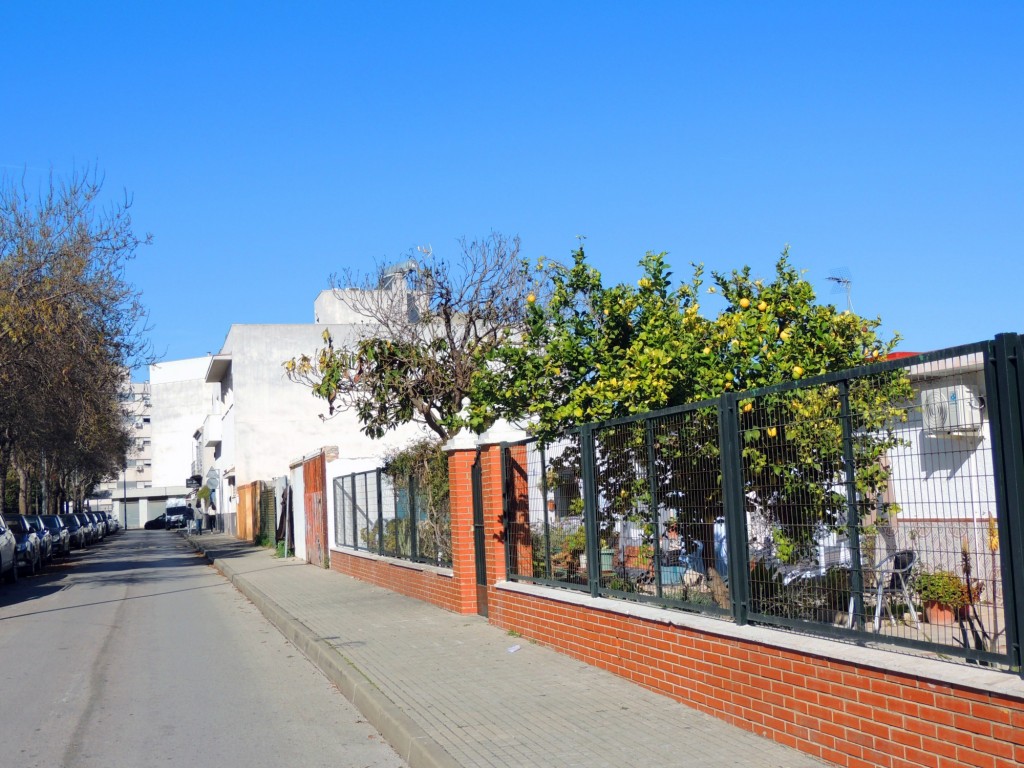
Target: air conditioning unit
(140, 468)
(951, 410)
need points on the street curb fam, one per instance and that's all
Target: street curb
(406, 737)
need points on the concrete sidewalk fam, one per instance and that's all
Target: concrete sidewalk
(447, 690)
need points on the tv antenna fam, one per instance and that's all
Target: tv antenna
(842, 282)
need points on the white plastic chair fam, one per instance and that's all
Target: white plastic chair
(893, 578)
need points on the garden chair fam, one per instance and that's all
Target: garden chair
(892, 576)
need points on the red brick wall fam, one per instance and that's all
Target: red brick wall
(846, 714)
(406, 579)
(455, 592)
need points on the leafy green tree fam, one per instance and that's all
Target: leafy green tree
(594, 353)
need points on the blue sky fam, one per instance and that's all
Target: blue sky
(269, 145)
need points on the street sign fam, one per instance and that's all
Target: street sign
(194, 482)
(211, 480)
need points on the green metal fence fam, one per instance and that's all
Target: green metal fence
(881, 504)
(376, 514)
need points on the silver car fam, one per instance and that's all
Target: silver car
(8, 558)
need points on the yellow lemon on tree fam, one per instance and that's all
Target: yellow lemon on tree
(744, 302)
(763, 306)
(530, 298)
(798, 371)
(748, 408)
(772, 431)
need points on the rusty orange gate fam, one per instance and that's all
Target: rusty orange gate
(314, 479)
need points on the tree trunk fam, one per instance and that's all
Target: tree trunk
(22, 491)
(5, 463)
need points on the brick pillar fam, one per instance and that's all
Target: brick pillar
(460, 492)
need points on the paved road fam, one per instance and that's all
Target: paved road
(137, 653)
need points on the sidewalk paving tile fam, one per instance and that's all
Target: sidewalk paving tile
(454, 678)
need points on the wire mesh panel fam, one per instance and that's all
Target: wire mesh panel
(365, 511)
(343, 523)
(658, 497)
(356, 510)
(871, 506)
(546, 537)
(861, 505)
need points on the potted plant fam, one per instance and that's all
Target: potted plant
(943, 594)
(576, 545)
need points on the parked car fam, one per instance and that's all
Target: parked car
(77, 534)
(28, 555)
(157, 523)
(101, 525)
(8, 553)
(59, 531)
(91, 534)
(35, 522)
(113, 524)
(179, 517)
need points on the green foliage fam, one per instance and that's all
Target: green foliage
(420, 471)
(943, 587)
(593, 353)
(576, 541)
(281, 552)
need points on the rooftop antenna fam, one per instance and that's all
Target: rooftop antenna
(843, 281)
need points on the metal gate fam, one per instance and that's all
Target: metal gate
(314, 480)
(268, 515)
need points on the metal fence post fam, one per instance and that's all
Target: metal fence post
(654, 517)
(1004, 383)
(413, 543)
(590, 510)
(355, 511)
(506, 514)
(852, 513)
(544, 502)
(734, 507)
(380, 513)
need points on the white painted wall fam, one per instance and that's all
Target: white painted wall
(181, 399)
(943, 477)
(272, 420)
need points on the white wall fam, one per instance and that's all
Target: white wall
(943, 477)
(275, 420)
(181, 399)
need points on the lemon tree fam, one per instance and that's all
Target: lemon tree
(593, 353)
